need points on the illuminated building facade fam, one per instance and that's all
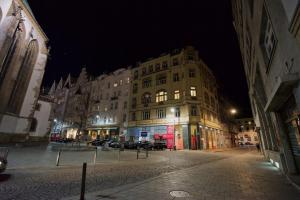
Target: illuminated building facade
(175, 96)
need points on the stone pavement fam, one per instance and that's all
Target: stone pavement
(237, 177)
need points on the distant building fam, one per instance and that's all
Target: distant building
(175, 95)
(108, 107)
(268, 34)
(247, 133)
(23, 56)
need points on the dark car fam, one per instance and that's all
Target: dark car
(145, 145)
(114, 144)
(98, 142)
(130, 145)
(3, 159)
(248, 143)
(159, 145)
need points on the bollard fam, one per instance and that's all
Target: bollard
(137, 153)
(58, 157)
(95, 156)
(119, 154)
(147, 152)
(83, 181)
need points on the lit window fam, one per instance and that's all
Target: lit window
(121, 82)
(115, 84)
(176, 94)
(128, 80)
(161, 96)
(193, 91)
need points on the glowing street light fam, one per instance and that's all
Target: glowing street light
(55, 120)
(97, 116)
(172, 110)
(233, 111)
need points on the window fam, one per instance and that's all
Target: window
(165, 65)
(161, 96)
(108, 85)
(192, 73)
(124, 117)
(147, 82)
(190, 57)
(116, 105)
(146, 98)
(121, 82)
(111, 106)
(38, 106)
(175, 77)
(161, 79)
(267, 37)
(125, 105)
(176, 94)
(150, 68)
(175, 61)
(194, 110)
(33, 125)
(144, 71)
(115, 84)
(146, 115)
(157, 67)
(136, 75)
(206, 98)
(135, 88)
(193, 92)
(119, 93)
(133, 116)
(133, 103)
(161, 113)
(177, 112)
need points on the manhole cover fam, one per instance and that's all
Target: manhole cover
(179, 193)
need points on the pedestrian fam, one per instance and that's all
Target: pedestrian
(258, 147)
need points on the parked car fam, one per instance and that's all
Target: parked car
(248, 143)
(145, 145)
(159, 145)
(3, 158)
(130, 145)
(114, 144)
(97, 142)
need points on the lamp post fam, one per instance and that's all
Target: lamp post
(233, 112)
(173, 111)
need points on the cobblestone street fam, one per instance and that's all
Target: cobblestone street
(234, 174)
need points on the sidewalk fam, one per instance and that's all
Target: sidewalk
(239, 177)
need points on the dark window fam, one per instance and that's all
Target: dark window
(133, 103)
(267, 37)
(133, 116)
(175, 61)
(194, 110)
(175, 77)
(206, 98)
(150, 68)
(135, 88)
(147, 82)
(116, 105)
(124, 117)
(161, 79)
(33, 125)
(146, 115)
(38, 106)
(165, 65)
(177, 112)
(146, 98)
(108, 85)
(192, 73)
(135, 75)
(157, 67)
(161, 113)
(125, 104)
(144, 71)
(190, 57)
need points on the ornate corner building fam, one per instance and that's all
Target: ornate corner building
(268, 35)
(23, 56)
(174, 98)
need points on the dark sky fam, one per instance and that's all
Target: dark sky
(106, 35)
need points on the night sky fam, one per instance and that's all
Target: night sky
(106, 35)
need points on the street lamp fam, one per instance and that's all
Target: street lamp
(233, 111)
(173, 111)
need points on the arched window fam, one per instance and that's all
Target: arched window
(161, 96)
(146, 98)
(23, 78)
(10, 62)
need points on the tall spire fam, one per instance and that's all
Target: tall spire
(60, 84)
(52, 89)
(68, 82)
